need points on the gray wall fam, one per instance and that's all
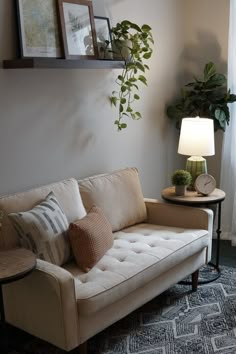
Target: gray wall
(57, 123)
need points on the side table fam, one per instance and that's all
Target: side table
(193, 198)
(14, 265)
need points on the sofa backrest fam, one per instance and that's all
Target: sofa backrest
(118, 194)
(66, 192)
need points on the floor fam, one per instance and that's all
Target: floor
(227, 253)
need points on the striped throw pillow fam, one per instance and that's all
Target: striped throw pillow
(43, 230)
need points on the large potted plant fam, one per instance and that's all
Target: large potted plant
(206, 97)
(133, 44)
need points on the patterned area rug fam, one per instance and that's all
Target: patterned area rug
(178, 321)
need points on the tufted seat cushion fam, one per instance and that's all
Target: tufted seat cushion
(139, 254)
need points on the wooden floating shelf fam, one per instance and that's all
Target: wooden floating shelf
(52, 63)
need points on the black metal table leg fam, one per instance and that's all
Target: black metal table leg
(218, 232)
(2, 313)
(215, 272)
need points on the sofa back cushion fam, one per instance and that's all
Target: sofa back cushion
(118, 194)
(66, 192)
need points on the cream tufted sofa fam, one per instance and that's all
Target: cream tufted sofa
(155, 246)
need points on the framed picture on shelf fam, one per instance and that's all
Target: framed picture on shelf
(78, 29)
(104, 39)
(38, 28)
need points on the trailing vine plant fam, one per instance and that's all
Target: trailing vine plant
(138, 41)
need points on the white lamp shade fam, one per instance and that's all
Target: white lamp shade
(197, 137)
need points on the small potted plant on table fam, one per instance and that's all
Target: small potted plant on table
(181, 179)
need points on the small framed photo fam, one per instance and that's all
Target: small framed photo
(104, 39)
(38, 28)
(78, 29)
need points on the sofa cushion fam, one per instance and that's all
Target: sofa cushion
(90, 238)
(43, 230)
(139, 254)
(118, 194)
(66, 192)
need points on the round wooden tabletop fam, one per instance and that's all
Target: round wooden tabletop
(193, 197)
(15, 264)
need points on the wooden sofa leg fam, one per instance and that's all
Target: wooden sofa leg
(195, 280)
(83, 348)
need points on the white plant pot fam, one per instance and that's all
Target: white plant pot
(180, 190)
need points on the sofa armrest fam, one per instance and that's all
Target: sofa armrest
(180, 216)
(44, 304)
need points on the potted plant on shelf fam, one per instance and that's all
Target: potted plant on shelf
(207, 97)
(133, 44)
(181, 179)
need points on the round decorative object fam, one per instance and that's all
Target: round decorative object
(205, 184)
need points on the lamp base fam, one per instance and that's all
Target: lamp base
(195, 165)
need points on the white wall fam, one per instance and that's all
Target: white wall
(206, 39)
(57, 123)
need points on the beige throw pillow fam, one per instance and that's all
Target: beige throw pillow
(90, 238)
(43, 230)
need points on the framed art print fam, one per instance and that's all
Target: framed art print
(104, 39)
(78, 29)
(38, 28)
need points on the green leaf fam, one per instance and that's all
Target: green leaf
(209, 71)
(140, 66)
(123, 88)
(121, 108)
(123, 125)
(125, 23)
(216, 80)
(138, 115)
(175, 113)
(135, 27)
(227, 114)
(129, 109)
(146, 66)
(119, 77)
(147, 55)
(151, 40)
(220, 115)
(130, 66)
(146, 28)
(136, 97)
(123, 100)
(232, 98)
(142, 79)
(113, 100)
(128, 83)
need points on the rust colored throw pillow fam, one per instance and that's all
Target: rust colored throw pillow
(90, 238)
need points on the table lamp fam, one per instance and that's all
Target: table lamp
(196, 140)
